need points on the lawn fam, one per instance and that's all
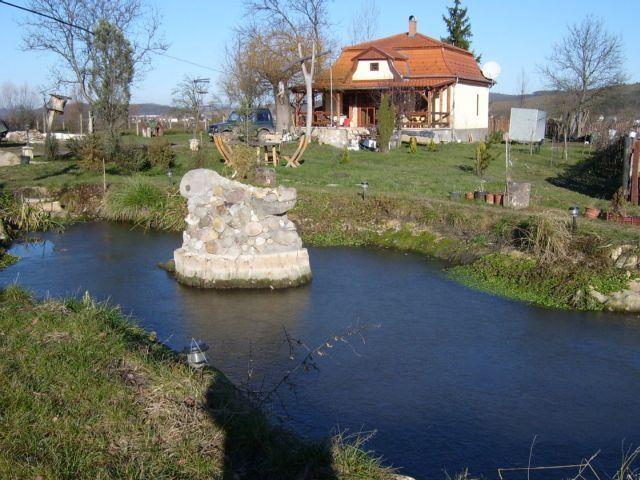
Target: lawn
(399, 173)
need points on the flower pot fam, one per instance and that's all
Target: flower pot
(489, 198)
(497, 199)
(479, 195)
(468, 195)
(591, 212)
(455, 196)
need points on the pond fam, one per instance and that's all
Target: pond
(447, 377)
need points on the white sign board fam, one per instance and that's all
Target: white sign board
(527, 125)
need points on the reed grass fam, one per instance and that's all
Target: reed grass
(145, 204)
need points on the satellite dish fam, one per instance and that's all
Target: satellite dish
(491, 70)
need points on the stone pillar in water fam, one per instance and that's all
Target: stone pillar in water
(238, 236)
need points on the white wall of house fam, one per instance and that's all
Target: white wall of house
(471, 108)
(363, 70)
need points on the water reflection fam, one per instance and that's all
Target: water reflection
(453, 378)
(234, 322)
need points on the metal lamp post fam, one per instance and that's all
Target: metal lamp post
(364, 185)
(575, 213)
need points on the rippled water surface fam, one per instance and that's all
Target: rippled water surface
(452, 378)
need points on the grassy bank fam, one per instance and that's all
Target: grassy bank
(86, 394)
(545, 263)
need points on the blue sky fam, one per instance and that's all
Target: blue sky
(515, 34)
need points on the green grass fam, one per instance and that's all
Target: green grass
(86, 394)
(140, 201)
(6, 259)
(423, 174)
(550, 285)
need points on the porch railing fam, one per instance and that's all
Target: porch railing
(320, 119)
(426, 119)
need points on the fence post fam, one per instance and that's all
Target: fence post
(626, 164)
(634, 172)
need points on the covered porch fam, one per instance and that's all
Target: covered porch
(425, 107)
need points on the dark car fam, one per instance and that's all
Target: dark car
(4, 129)
(260, 122)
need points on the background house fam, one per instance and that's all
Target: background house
(438, 89)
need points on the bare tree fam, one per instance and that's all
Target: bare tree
(20, 102)
(272, 53)
(72, 40)
(189, 96)
(308, 22)
(586, 61)
(242, 82)
(523, 81)
(365, 22)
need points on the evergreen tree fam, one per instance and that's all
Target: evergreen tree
(458, 27)
(111, 76)
(386, 122)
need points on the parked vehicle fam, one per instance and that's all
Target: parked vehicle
(4, 129)
(260, 123)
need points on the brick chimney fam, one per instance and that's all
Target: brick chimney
(413, 26)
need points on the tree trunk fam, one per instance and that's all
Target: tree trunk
(283, 108)
(90, 125)
(308, 80)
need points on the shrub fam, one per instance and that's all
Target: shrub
(545, 235)
(199, 157)
(345, 157)
(483, 158)
(132, 159)
(386, 122)
(496, 137)
(161, 154)
(111, 147)
(51, 148)
(74, 146)
(90, 152)
(413, 145)
(243, 161)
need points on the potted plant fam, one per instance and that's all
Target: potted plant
(592, 212)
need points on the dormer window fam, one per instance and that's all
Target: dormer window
(374, 67)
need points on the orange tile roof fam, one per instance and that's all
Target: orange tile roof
(419, 61)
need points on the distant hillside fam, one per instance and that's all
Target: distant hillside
(622, 101)
(135, 108)
(149, 109)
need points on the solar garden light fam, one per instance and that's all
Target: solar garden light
(196, 357)
(574, 212)
(364, 185)
(170, 176)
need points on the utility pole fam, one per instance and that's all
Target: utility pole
(199, 91)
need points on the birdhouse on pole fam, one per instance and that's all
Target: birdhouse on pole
(55, 105)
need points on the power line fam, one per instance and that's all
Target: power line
(189, 62)
(59, 20)
(47, 16)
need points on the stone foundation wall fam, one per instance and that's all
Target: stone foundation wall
(339, 137)
(442, 135)
(238, 235)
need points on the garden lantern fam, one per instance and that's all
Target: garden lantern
(574, 212)
(364, 185)
(196, 358)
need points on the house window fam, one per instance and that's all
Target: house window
(374, 66)
(477, 105)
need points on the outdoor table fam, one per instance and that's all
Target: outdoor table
(269, 149)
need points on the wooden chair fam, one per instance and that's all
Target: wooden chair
(294, 160)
